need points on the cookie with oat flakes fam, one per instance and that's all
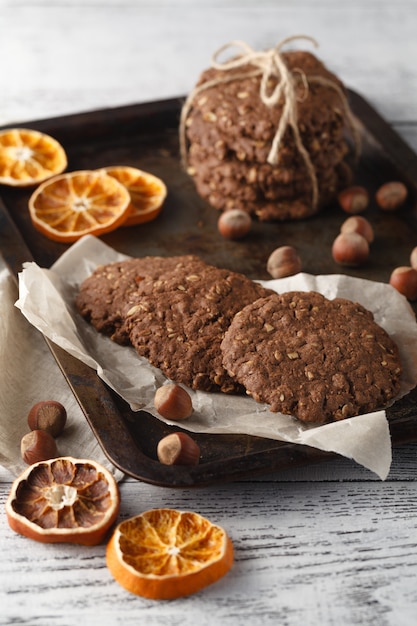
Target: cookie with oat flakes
(230, 133)
(180, 320)
(110, 289)
(317, 359)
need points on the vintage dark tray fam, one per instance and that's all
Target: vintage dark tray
(146, 136)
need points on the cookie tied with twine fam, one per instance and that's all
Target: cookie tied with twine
(268, 132)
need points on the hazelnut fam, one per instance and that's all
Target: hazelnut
(178, 449)
(48, 415)
(283, 261)
(350, 249)
(391, 196)
(360, 225)
(413, 258)
(354, 199)
(234, 224)
(404, 280)
(173, 402)
(38, 445)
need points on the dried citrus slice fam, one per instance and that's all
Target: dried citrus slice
(164, 553)
(147, 193)
(64, 500)
(28, 157)
(78, 203)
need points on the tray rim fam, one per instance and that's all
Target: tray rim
(146, 469)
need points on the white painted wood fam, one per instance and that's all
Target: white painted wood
(61, 57)
(326, 545)
(334, 554)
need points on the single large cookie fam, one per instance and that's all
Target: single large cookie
(180, 320)
(112, 288)
(317, 359)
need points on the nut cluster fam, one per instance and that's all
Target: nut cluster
(351, 246)
(46, 420)
(174, 403)
(389, 197)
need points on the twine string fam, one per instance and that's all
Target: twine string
(271, 66)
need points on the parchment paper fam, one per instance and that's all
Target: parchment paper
(46, 299)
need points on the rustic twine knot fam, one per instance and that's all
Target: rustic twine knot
(270, 65)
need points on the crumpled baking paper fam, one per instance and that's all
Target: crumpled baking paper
(46, 299)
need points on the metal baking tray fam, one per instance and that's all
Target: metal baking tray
(146, 136)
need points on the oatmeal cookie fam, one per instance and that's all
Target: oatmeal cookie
(111, 288)
(180, 320)
(317, 359)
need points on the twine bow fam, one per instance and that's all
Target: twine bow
(269, 64)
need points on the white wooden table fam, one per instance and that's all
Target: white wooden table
(326, 545)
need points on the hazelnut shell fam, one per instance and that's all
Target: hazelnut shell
(173, 402)
(404, 280)
(48, 415)
(38, 445)
(350, 249)
(178, 449)
(284, 261)
(234, 224)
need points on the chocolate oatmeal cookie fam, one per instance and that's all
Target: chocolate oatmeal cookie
(317, 359)
(180, 320)
(173, 310)
(112, 288)
(230, 131)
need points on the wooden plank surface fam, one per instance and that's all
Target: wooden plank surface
(325, 545)
(329, 553)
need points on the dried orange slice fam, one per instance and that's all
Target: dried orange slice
(78, 203)
(147, 193)
(28, 157)
(164, 553)
(64, 500)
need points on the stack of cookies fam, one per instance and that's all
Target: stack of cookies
(229, 133)
(216, 330)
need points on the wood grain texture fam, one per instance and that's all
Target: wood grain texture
(327, 545)
(332, 554)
